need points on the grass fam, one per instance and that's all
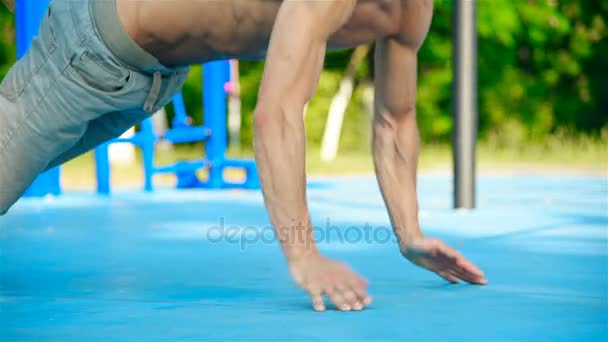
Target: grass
(555, 155)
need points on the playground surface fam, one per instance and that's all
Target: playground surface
(202, 265)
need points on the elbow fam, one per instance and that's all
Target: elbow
(264, 116)
(401, 113)
(398, 107)
(394, 127)
(393, 118)
(261, 120)
(269, 121)
(266, 120)
(273, 119)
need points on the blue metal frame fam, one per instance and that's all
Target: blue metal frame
(213, 132)
(29, 13)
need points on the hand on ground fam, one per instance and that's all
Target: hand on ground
(320, 277)
(436, 256)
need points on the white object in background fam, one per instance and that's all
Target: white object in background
(160, 127)
(234, 120)
(234, 106)
(333, 127)
(159, 122)
(123, 153)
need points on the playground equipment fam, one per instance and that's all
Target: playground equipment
(464, 108)
(216, 82)
(216, 79)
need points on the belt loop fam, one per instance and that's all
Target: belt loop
(154, 91)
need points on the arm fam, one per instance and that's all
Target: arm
(395, 149)
(293, 66)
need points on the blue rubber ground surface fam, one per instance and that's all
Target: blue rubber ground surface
(147, 267)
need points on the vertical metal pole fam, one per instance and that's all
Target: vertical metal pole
(464, 101)
(102, 169)
(215, 76)
(181, 117)
(28, 15)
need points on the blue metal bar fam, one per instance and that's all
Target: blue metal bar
(147, 148)
(102, 169)
(28, 15)
(187, 134)
(183, 166)
(214, 132)
(215, 75)
(181, 117)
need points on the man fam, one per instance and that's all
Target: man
(98, 67)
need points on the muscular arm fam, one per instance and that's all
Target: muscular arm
(293, 66)
(395, 135)
(396, 144)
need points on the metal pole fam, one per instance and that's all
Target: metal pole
(215, 76)
(464, 101)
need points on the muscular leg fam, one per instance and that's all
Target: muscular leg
(36, 135)
(70, 93)
(49, 98)
(32, 133)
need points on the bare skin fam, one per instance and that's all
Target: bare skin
(294, 35)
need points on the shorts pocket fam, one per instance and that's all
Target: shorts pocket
(92, 71)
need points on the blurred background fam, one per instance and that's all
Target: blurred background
(543, 96)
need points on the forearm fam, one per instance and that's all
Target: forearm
(280, 155)
(395, 150)
(292, 70)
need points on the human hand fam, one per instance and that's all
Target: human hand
(320, 276)
(434, 255)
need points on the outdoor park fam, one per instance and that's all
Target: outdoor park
(163, 233)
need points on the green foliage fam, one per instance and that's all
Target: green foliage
(542, 70)
(541, 67)
(8, 49)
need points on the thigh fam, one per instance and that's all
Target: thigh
(36, 124)
(48, 99)
(30, 108)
